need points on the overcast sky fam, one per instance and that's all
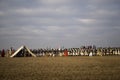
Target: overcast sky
(58, 23)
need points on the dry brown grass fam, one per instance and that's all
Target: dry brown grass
(60, 68)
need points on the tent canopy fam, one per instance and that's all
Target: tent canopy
(23, 51)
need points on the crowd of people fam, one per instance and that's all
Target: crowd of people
(82, 51)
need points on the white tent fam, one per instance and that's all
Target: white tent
(20, 49)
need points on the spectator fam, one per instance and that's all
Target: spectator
(3, 53)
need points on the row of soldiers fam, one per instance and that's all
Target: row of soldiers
(89, 51)
(82, 51)
(48, 52)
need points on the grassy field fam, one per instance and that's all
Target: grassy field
(60, 68)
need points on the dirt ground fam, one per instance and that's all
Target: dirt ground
(60, 68)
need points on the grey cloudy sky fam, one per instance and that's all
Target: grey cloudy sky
(55, 23)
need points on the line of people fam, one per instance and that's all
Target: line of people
(82, 51)
(90, 51)
(47, 52)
